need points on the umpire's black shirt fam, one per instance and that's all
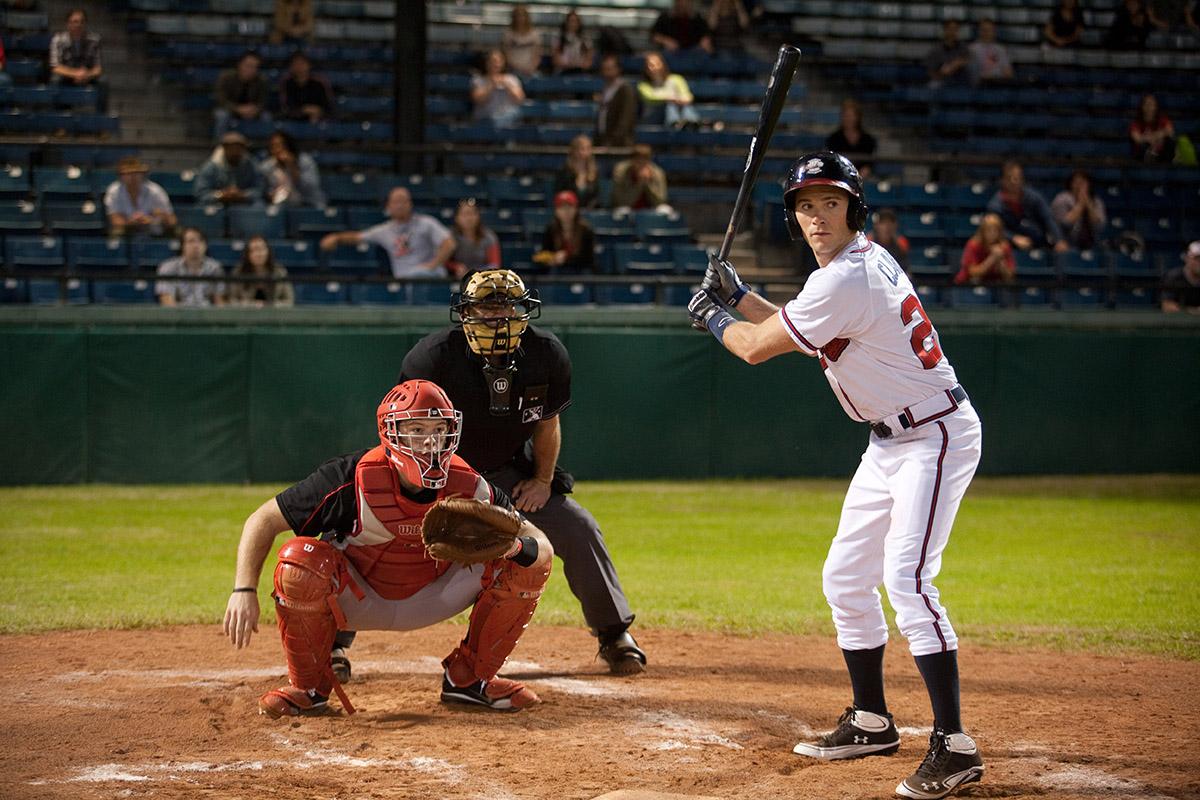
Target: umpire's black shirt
(541, 390)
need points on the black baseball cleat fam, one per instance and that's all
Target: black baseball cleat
(952, 760)
(499, 694)
(622, 654)
(341, 665)
(858, 733)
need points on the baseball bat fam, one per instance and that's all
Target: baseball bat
(772, 104)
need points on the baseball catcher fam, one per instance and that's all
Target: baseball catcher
(397, 537)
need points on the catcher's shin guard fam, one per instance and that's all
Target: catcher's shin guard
(308, 578)
(500, 615)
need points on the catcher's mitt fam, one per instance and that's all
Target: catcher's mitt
(469, 531)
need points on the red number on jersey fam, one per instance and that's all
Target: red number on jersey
(924, 330)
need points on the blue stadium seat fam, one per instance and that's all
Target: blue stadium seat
(1085, 298)
(1035, 298)
(642, 253)
(1083, 264)
(14, 183)
(564, 294)
(34, 252)
(355, 189)
(379, 294)
(147, 254)
(923, 228)
(208, 219)
(85, 217)
(247, 221)
(227, 252)
(123, 292)
(505, 223)
(972, 297)
(635, 293)
(431, 294)
(1035, 264)
(61, 182)
(314, 222)
(179, 186)
(455, 188)
(46, 292)
(536, 220)
(1138, 298)
(1126, 266)
(661, 228)
(97, 254)
(524, 191)
(326, 293)
(360, 259)
(690, 259)
(22, 217)
(13, 291)
(358, 219)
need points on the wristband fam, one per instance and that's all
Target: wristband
(717, 324)
(245, 589)
(740, 291)
(527, 554)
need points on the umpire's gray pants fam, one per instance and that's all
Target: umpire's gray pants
(577, 540)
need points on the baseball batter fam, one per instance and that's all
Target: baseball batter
(860, 317)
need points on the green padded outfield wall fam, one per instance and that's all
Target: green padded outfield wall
(125, 397)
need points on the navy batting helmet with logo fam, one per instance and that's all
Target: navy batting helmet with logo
(825, 168)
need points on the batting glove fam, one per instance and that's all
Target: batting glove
(708, 314)
(723, 281)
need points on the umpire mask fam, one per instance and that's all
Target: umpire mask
(494, 309)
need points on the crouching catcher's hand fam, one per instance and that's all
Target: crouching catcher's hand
(469, 531)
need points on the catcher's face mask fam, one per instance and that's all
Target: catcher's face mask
(420, 430)
(494, 309)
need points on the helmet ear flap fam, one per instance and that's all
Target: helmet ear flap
(856, 214)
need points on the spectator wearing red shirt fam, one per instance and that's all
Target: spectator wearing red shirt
(988, 257)
(1151, 132)
(5, 78)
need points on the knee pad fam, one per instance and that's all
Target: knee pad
(308, 578)
(500, 616)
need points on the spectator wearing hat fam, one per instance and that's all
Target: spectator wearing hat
(640, 183)
(476, 246)
(230, 176)
(568, 242)
(417, 244)
(75, 58)
(304, 95)
(885, 232)
(135, 204)
(240, 94)
(1181, 286)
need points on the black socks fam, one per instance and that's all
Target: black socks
(866, 678)
(940, 671)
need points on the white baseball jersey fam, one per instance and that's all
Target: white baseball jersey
(861, 316)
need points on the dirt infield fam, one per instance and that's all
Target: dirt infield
(172, 714)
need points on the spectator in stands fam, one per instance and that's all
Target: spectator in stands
(294, 22)
(475, 245)
(303, 95)
(497, 94)
(885, 232)
(639, 183)
(1130, 26)
(947, 60)
(728, 21)
(1181, 286)
(1065, 25)
(666, 98)
(240, 94)
(522, 44)
(230, 176)
(987, 257)
(259, 262)
(617, 106)
(1025, 214)
(572, 52)
(192, 262)
(417, 244)
(5, 78)
(137, 205)
(291, 176)
(568, 243)
(1191, 15)
(1080, 214)
(75, 58)
(1151, 133)
(989, 59)
(681, 29)
(579, 174)
(851, 140)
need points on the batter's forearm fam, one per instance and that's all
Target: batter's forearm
(755, 308)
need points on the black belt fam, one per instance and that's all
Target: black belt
(883, 431)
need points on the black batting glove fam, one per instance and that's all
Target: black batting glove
(722, 280)
(708, 314)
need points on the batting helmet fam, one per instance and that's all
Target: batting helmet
(494, 309)
(422, 458)
(824, 168)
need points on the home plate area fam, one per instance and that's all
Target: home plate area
(172, 713)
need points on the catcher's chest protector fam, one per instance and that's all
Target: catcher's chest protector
(387, 549)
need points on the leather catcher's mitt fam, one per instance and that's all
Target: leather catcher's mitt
(469, 531)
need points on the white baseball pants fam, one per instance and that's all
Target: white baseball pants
(895, 523)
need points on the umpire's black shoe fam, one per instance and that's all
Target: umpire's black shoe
(622, 654)
(341, 665)
(859, 733)
(952, 760)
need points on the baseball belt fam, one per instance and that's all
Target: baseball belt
(922, 413)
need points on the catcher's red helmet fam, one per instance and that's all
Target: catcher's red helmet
(422, 458)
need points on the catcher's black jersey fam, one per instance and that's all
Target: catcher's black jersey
(541, 389)
(326, 502)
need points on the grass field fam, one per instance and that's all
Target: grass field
(1106, 564)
